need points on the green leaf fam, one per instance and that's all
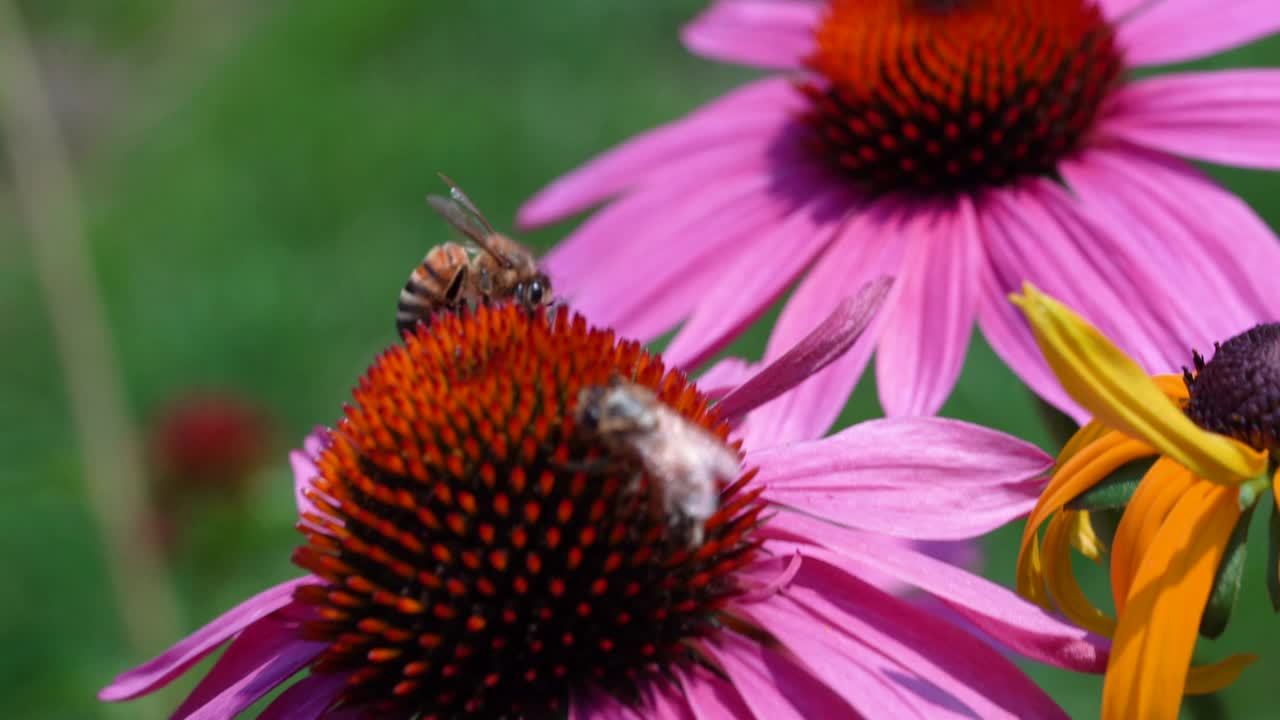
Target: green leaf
(1116, 490)
(1105, 522)
(1273, 557)
(1226, 584)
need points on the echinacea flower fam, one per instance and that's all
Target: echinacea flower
(1177, 552)
(960, 146)
(470, 552)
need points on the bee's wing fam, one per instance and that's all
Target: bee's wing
(463, 215)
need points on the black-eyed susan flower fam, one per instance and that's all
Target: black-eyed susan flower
(960, 146)
(1176, 554)
(471, 553)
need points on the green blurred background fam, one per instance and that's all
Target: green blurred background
(252, 176)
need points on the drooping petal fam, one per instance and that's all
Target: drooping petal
(1179, 30)
(1226, 116)
(742, 292)
(1061, 579)
(1004, 616)
(161, 670)
(307, 698)
(968, 677)
(750, 111)
(1157, 631)
(1160, 489)
(1111, 386)
(724, 376)
(828, 341)
(932, 316)
(261, 658)
(882, 475)
(772, 685)
(762, 33)
(869, 245)
(1086, 468)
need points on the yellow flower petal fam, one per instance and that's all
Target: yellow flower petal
(1085, 469)
(1158, 492)
(1085, 540)
(1108, 384)
(1205, 679)
(1062, 581)
(1157, 632)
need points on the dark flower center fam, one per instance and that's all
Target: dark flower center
(943, 96)
(1237, 393)
(482, 556)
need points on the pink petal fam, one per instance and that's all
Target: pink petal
(724, 376)
(304, 467)
(1215, 259)
(1018, 624)
(1005, 329)
(920, 478)
(1033, 232)
(262, 657)
(762, 33)
(936, 664)
(159, 671)
(868, 680)
(754, 110)
(660, 274)
(751, 281)
(666, 702)
(831, 339)
(868, 246)
(681, 200)
(306, 698)
(932, 315)
(1179, 30)
(709, 697)
(1118, 10)
(765, 578)
(1230, 117)
(773, 686)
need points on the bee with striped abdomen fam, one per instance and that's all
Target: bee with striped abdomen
(489, 267)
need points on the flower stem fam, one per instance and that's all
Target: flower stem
(113, 472)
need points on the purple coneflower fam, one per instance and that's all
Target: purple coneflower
(469, 554)
(962, 146)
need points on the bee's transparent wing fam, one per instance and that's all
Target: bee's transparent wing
(464, 216)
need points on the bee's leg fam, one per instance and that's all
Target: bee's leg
(591, 466)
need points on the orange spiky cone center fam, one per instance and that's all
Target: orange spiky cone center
(476, 557)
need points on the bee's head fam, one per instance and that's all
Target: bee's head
(535, 292)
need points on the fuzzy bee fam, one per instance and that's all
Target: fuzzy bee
(489, 267)
(685, 462)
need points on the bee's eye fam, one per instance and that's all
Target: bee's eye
(535, 292)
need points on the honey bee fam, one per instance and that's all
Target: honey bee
(489, 267)
(685, 462)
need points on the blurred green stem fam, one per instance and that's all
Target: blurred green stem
(109, 452)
